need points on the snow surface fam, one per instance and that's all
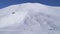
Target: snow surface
(30, 18)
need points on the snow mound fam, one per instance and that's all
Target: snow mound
(30, 18)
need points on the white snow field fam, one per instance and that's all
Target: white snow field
(30, 18)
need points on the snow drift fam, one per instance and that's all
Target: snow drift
(30, 18)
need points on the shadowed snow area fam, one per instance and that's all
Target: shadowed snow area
(30, 18)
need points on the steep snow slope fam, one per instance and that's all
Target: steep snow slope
(30, 18)
(12, 19)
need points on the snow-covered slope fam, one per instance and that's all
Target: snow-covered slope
(30, 18)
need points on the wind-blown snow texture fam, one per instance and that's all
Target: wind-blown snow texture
(30, 18)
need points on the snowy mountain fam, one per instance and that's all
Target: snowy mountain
(30, 18)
